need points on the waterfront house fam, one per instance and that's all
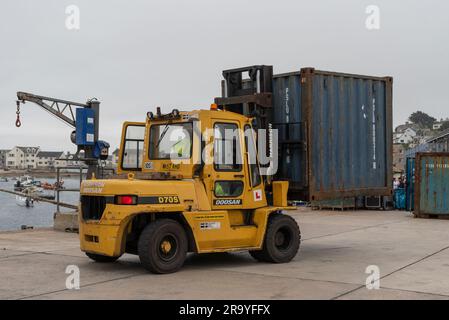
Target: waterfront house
(49, 159)
(3, 158)
(22, 157)
(405, 136)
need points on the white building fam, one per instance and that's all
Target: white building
(69, 161)
(49, 159)
(3, 154)
(115, 157)
(404, 137)
(22, 158)
(437, 125)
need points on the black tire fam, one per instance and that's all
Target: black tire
(259, 255)
(162, 246)
(281, 242)
(100, 258)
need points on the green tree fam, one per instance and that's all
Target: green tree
(422, 119)
(445, 126)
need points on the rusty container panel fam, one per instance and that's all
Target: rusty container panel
(432, 184)
(335, 133)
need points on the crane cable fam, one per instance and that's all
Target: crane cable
(18, 122)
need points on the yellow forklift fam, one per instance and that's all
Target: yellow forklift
(191, 182)
(168, 201)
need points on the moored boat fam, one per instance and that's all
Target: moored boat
(48, 186)
(24, 182)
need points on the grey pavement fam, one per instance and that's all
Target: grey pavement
(337, 247)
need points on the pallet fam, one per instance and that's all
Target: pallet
(335, 204)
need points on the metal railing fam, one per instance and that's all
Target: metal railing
(79, 170)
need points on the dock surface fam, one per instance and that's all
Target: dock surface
(337, 247)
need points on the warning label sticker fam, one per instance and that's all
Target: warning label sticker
(210, 225)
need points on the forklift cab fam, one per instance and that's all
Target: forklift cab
(235, 174)
(218, 147)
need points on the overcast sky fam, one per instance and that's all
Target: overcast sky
(136, 55)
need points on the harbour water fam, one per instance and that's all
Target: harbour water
(12, 216)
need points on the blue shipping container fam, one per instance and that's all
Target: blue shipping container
(410, 184)
(335, 133)
(432, 184)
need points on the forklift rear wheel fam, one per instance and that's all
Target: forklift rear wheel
(100, 258)
(163, 246)
(282, 240)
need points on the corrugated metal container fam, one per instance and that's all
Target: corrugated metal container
(432, 184)
(440, 146)
(411, 153)
(335, 133)
(410, 184)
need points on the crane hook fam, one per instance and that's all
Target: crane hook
(18, 122)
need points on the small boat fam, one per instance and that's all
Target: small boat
(27, 202)
(3, 179)
(47, 196)
(26, 179)
(47, 186)
(37, 183)
(57, 185)
(18, 186)
(23, 183)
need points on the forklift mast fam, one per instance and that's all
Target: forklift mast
(250, 96)
(248, 91)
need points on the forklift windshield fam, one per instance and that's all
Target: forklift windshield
(170, 141)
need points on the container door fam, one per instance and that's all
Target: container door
(349, 134)
(432, 184)
(410, 184)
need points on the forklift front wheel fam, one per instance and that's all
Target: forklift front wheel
(281, 242)
(163, 246)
